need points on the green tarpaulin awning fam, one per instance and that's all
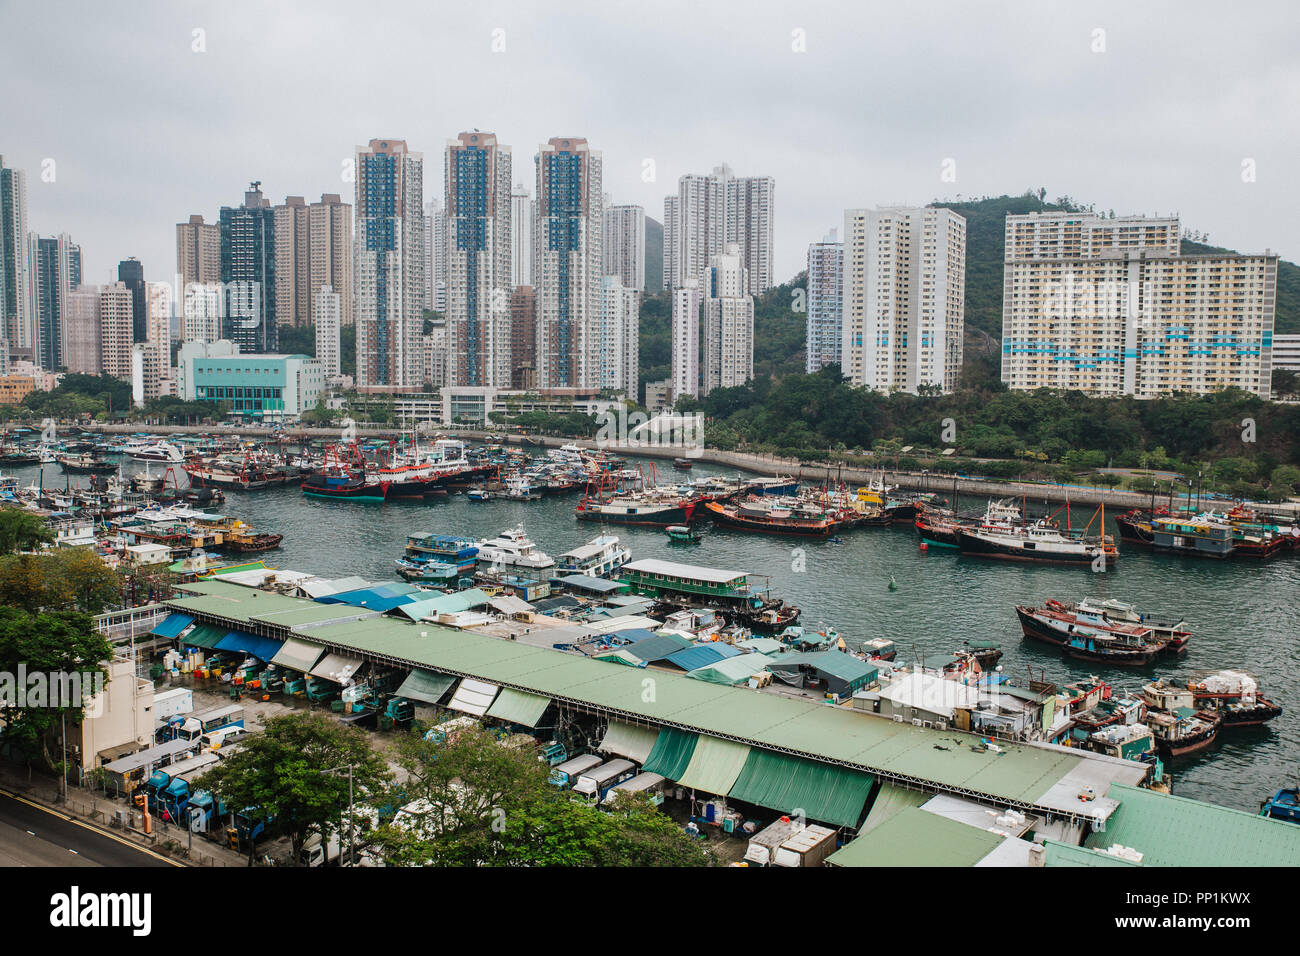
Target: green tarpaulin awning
(715, 765)
(205, 635)
(824, 792)
(890, 801)
(671, 753)
(517, 707)
(629, 740)
(425, 686)
(298, 655)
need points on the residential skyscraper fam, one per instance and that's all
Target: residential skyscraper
(131, 272)
(116, 329)
(728, 322)
(58, 272)
(686, 339)
(81, 334)
(619, 337)
(523, 211)
(567, 262)
(672, 243)
(711, 210)
(479, 260)
(435, 247)
(624, 243)
(751, 205)
(1112, 307)
(824, 300)
(198, 251)
(313, 249)
(17, 284)
(904, 298)
(523, 337)
(390, 263)
(248, 272)
(329, 321)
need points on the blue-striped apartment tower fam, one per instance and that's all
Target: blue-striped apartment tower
(479, 259)
(389, 289)
(568, 262)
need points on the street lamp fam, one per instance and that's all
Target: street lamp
(352, 855)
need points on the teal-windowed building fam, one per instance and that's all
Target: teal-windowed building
(271, 387)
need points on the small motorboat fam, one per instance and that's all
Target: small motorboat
(682, 532)
(682, 464)
(479, 494)
(1283, 805)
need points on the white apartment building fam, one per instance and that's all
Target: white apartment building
(1286, 352)
(523, 211)
(712, 210)
(728, 322)
(480, 257)
(328, 309)
(389, 265)
(567, 263)
(116, 310)
(81, 331)
(435, 245)
(619, 336)
(903, 309)
(824, 303)
(1110, 307)
(624, 245)
(686, 339)
(201, 313)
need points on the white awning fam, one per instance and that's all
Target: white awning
(473, 697)
(337, 667)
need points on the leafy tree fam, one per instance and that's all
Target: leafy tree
(58, 642)
(70, 579)
(21, 530)
(280, 775)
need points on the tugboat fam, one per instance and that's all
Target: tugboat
(1179, 728)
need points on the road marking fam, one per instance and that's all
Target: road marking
(87, 826)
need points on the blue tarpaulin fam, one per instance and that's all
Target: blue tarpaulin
(263, 648)
(172, 625)
(379, 597)
(701, 655)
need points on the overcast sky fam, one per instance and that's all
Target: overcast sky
(144, 131)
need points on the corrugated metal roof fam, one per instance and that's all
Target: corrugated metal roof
(205, 636)
(1023, 773)
(517, 707)
(586, 582)
(381, 597)
(913, 837)
(702, 655)
(657, 647)
(1175, 831)
(836, 663)
(172, 625)
(1066, 854)
(688, 571)
(732, 670)
(714, 765)
(453, 603)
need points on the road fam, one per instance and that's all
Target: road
(33, 835)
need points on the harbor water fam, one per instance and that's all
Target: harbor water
(1242, 614)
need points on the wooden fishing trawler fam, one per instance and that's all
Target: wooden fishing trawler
(242, 539)
(1173, 632)
(1179, 727)
(775, 517)
(85, 463)
(1235, 696)
(1088, 638)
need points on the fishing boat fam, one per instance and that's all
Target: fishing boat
(1087, 638)
(879, 649)
(639, 508)
(599, 557)
(774, 517)
(1179, 727)
(85, 463)
(1235, 696)
(682, 464)
(244, 540)
(478, 493)
(1040, 542)
(987, 653)
(1172, 631)
(339, 483)
(683, 533)
(781, 486)
(1283, 805)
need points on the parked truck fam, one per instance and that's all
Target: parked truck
(205, 814)
(566, 773)
(809, 847)
(169, 703)
(319, 851)
(764, 844)
(595, 783)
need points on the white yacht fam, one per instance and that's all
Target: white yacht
(598, 557)
(513, 549)
(159, 451)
